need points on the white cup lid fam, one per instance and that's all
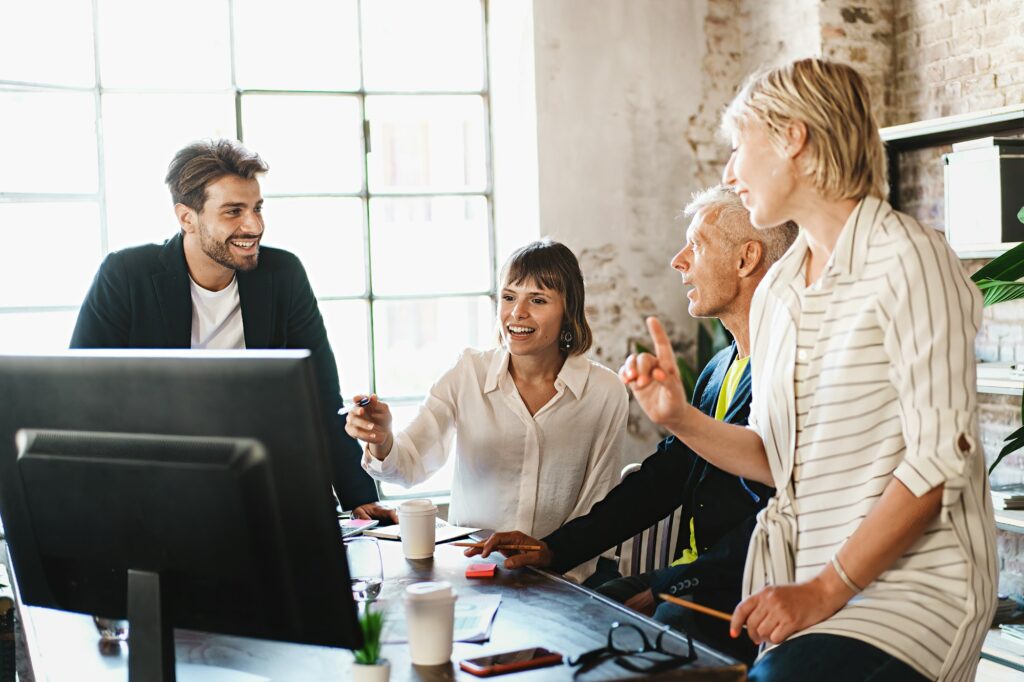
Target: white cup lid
(430, 591)
(417, 507)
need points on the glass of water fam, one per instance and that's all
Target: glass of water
(112, 630)
(364, 568)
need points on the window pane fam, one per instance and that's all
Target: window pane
(57, 252)
(427, 143)
(430, 245)
(141, 135)
(347, 330)
(416, 45)
(181, 44)
(313, 143)
(440, 482)
(47, 41)
(32, 125)
(326, 235)
(36, 332)
(417, 340)
(299, 45)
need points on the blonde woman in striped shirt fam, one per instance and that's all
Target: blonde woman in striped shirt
(876, 558)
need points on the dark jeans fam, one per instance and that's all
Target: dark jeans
(832, 658)
(702, 628)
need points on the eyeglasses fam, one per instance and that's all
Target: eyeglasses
(629, 646)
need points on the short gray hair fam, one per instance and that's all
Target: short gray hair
(723, 207)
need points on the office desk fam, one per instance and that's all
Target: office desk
(537, 608)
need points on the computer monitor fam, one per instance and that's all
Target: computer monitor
(175, 488)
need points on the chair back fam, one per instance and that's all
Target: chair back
(652, 548)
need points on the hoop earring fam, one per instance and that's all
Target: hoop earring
(565, 339)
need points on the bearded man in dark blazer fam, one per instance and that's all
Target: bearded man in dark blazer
(212, 286)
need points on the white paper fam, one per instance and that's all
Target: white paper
(473, 619)
(444, 531)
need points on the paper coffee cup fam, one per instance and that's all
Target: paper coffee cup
(430, 617)
(417, 520)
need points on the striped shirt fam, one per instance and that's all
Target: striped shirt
(868, 374)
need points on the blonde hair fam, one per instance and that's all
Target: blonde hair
(723, 208)
(845, 156)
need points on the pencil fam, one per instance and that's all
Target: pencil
(697, 607)
(480, 545)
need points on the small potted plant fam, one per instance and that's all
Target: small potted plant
(369, 666)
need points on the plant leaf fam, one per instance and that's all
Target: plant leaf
(1008, 267)
(998, 291)
(687, 374)
(1013, 442)
(1020, 214)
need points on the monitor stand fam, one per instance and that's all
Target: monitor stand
(151, 639)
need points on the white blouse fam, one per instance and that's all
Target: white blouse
(515, 470)
(866, 375)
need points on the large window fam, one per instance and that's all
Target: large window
(372, 115)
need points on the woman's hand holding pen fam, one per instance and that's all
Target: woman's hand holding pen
(655, 382)
(775, 613)
(370, 422)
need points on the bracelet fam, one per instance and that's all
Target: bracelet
(842, 574)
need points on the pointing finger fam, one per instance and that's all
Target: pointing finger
(662, 345)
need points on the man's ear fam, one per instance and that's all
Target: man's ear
(187, 218)
(751, 257)
(796, 138)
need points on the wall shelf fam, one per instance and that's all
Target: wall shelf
(1000, 378)
(1003, 650)
(1010, 520)
(947, 130)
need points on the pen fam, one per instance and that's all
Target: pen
(363, 402)
(697, 607)
(479, 545)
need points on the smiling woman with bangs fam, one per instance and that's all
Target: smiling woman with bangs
(538, 427)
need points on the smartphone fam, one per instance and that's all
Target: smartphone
(510, 662)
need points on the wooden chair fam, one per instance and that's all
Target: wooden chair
(652, 548)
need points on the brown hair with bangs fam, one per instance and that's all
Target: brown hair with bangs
(554, 266)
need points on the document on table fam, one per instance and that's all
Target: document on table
(473, 619)
(443, 531)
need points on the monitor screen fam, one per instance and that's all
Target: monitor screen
(208, 468)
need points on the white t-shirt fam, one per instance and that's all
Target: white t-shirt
(217, 317)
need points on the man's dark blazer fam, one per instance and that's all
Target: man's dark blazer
(141, 298)
(722, 505)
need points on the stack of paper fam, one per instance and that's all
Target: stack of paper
(444, 532)
(1009, 496)
(1014, 632)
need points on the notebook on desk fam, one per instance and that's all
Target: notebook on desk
(444, 532)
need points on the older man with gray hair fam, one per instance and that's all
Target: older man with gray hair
(723, 261)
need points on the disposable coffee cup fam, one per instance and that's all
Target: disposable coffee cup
(430, 617)
(417, 519)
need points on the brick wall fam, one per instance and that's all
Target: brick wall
(954, 57)
(922, 59)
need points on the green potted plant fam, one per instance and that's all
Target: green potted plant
(998, 283)
(369, 666)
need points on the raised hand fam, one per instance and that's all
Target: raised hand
(541, 558)
(655, 382)
(372, 425)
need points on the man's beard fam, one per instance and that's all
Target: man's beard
(220, 252)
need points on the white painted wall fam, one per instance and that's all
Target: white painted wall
(616, 84)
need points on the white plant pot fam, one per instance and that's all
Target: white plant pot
(379, 672)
